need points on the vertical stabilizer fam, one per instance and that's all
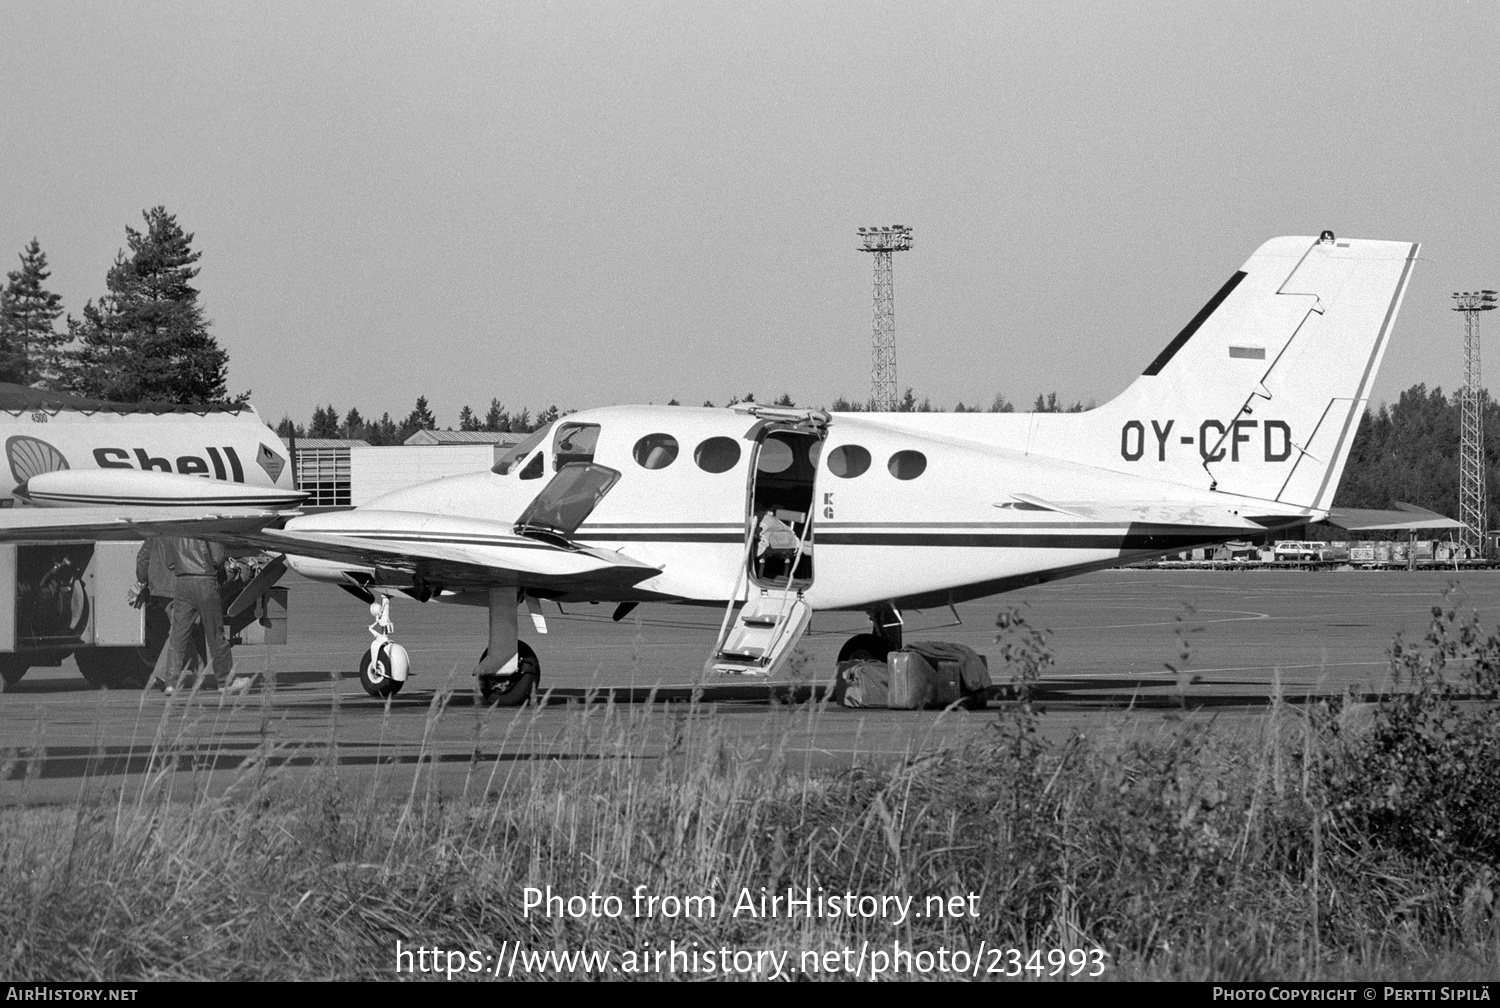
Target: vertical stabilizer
(1259, 395)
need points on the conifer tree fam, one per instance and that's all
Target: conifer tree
(420, 418)
(30, 346)
(325, 423)
(497, 420)
(383, 431)
(147, 340)
(354, 426)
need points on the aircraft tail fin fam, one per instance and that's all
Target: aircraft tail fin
(1260, 394)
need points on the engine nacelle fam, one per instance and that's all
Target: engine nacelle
(330, 572)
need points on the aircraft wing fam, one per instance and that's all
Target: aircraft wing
(477, 558)
(465, 562)
(453, 552)
(24, 526)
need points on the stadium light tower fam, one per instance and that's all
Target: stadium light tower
(882, 241)
(1472, 503)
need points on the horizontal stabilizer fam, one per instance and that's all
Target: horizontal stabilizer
(1205, 516)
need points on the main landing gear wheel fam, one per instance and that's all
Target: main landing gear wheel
(512, 690)
(864, 647)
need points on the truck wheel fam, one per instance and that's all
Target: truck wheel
(12, 668)
(113, 667)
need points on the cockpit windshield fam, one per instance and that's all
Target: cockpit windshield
(520, 452)
(575, 443)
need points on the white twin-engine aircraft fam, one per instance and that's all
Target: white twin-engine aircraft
(1240, 426)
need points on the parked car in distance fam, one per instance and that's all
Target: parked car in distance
(1296, 549)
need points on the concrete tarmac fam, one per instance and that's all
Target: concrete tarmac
(1231, 640)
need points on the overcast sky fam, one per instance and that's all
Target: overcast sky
(594, 203)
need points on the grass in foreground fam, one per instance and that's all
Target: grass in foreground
(1345, 841)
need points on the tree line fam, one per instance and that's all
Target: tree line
(1408, 451)
(386, 431)
(145, 340)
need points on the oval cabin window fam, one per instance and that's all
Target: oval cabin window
(717, 454)
(907, 465)
(775, 456)
(656, 451)
(848, 461)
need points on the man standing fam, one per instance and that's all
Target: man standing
(195, 563)
(155, 587)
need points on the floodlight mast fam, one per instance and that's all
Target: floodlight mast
(882, 241)
(1473, 504)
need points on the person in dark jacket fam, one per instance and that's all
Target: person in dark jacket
(155, 586)
(195, 564)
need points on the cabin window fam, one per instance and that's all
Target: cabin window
(656, 451)
(907, 465)
(534, 468)
(512, 459)
(717, 454)
(848, 461)
(575, 443)
(775, 456)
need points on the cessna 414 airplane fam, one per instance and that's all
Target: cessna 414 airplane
(1240, 426)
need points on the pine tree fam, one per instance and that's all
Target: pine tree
(30, 346)
(383, 431)
(467, 421)
(354, 426)
(497, 420)
(420, 418)
(325, 423)
(147, 340)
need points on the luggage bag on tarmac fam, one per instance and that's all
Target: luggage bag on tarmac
(917, 684)
(861, 684)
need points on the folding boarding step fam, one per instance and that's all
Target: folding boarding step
(764, 633)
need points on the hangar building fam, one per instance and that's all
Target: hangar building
(345, 473)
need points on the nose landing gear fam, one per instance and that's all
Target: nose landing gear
(384, 667)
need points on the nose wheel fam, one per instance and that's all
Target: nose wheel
(384, 666)
(512, 690)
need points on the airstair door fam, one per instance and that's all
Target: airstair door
(761, 636)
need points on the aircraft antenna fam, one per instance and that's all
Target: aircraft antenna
(882, 241)
(1472, 503)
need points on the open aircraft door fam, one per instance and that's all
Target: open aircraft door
(780, 512)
